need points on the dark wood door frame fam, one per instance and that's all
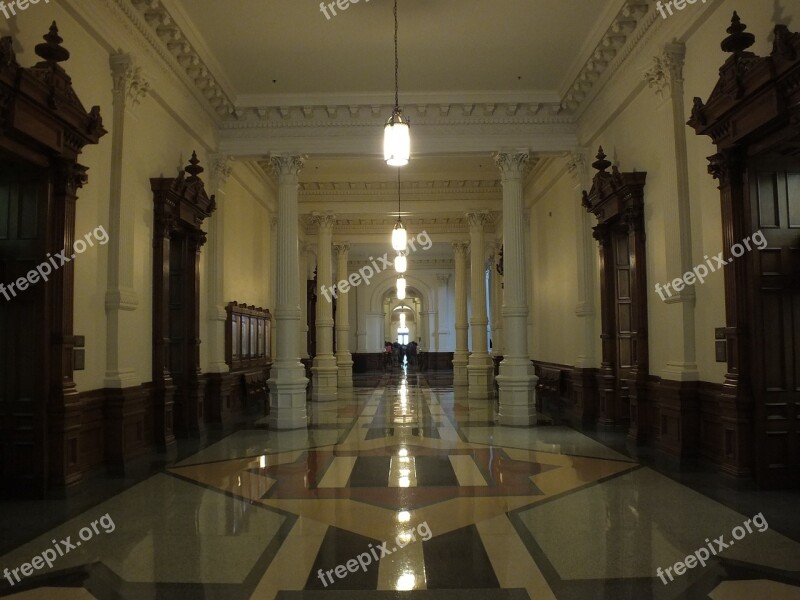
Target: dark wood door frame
(181, 204)
(617, 200)
(44, 124)
(752, 113)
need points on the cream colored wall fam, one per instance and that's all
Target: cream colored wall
(634, 126)
(160, 135)
(556, 328)
(247, 243)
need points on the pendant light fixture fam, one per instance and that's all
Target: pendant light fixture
(396, 134)
(401, 288)
(400, 262)
(399, 233)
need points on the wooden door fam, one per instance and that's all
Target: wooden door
(623, 305)
(23, 364)
(775, 369)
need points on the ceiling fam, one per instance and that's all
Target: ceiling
(289, 48)
(296, 77)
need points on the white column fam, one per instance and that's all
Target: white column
(461, 355)
(220, 170)
(480, 370)
(274, 282)
(287, 381)
(516, 380)
(344, 360)
(302, 330)
(441, 328)
(324, 370)
(121, 297)
(496, 282)
(375, 332)
(666, 76)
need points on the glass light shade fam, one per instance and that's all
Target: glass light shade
(399, 237)
(396, 141)
(401, 288)
(400, 263)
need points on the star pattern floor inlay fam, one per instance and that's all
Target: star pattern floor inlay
(463, 507)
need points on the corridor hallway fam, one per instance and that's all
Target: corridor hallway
(481, 511)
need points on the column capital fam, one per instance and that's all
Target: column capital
(130, 85)
(666, 72)
(578, 166)
(323, 221)
(460, 247)
(342, 248)
(512, 165)
(478, 218)
(286, 166)
(221, 167)
(443, 277)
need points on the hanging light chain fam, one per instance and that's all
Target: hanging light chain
(398, 195)
(396, 64)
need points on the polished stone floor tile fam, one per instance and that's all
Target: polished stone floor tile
(448, 504)
(255, 442)
(641, 532)
(556, 439)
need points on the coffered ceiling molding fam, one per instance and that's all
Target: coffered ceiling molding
(623, 34)
(379, 224)
(371, 188)
(156, 20)
(361, 139)
(361, 112)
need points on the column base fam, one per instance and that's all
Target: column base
(287, 398)
(344, 364)
(324, 378)
(480, 374)
(460, 376)
(517, 383)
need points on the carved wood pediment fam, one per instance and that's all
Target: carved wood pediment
(755, 96)
(182, 199)
(614, 194)
(39, 109)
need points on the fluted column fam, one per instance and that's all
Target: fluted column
(220, 172)
(302, 330)
(666, 76)
(287, 382)
(480, 370)
(496, 296)
(130, 88)
(461, 355)
(517, 380)
(324, 370)
(344, 360)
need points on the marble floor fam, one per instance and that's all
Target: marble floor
(408, 489)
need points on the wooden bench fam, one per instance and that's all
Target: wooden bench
(550, 386)
(254, 385)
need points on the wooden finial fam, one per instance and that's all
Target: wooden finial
(193, 168)
(601, 164)
(52, 51)
(738, 40)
